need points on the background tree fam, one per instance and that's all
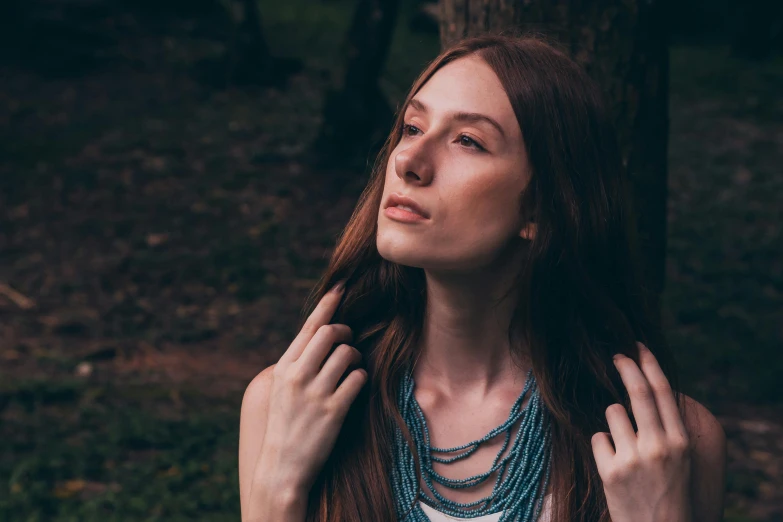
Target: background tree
(247, 59)
(356, 114)
(758, 28)
(624, 46)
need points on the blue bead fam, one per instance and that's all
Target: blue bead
(516, 490)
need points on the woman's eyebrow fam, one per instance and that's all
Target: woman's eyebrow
(460, 116)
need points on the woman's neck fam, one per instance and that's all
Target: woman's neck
(464, 348)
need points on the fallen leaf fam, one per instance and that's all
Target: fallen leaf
(154, 240)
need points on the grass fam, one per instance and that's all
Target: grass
(79, 451)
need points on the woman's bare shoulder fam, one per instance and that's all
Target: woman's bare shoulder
(260, 383)
(255, 402)
(252, 424)
(708, 461)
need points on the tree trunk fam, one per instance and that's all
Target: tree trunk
(248, 60)
(251, 35)
(757, 28)
(623, 45)
(356, 114)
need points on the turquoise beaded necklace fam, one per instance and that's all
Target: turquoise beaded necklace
(527, 460)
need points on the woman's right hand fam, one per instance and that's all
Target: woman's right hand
(306, 406)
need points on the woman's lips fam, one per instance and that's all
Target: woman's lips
(405, 216)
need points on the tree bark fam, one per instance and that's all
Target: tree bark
(757, 28)
(623, 45)
(247, 60)
(356, 114)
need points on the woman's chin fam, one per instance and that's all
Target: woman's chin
(404, 258)
(407, 253)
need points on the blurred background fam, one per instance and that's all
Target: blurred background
(174, 174)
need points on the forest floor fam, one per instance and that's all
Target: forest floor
(157, 244)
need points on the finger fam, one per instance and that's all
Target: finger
(321, 315)
(671, 419)
(350, 388)
(645, 411)
(335, 366)
(317, 350)
(602, 451)
(621, 429)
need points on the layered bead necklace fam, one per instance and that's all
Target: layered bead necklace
(517, 494)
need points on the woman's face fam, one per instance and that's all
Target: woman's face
(462, 159)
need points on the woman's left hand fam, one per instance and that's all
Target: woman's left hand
(647, 477)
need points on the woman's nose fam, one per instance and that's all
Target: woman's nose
(414, 163)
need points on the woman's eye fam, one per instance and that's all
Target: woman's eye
(469, 142)
(464, 139)
(407, 127)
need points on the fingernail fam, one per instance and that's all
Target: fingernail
(616, 356)
(339, 286)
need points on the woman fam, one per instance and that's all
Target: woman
(490, 280)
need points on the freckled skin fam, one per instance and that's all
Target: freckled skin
(471, 194)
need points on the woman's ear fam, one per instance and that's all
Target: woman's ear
(529, 231)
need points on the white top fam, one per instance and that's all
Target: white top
(436, 516)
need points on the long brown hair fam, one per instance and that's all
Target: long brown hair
(581, 295)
